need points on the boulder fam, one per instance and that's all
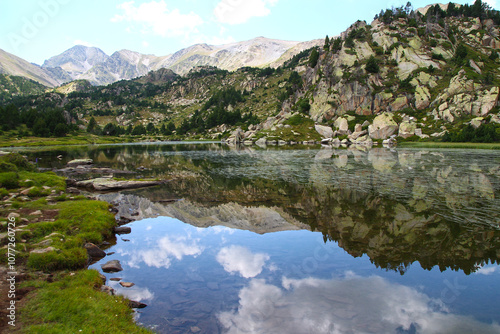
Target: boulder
(324, 131)
(111, 266)
(422, 97)
(407, 129)
(80, 162)
(94, 251)
(342, 126)
(383, 127)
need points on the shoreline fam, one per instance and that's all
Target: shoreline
(50, 224)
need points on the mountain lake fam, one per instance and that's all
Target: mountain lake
(304, 239)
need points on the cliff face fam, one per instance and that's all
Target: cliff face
(438, 72)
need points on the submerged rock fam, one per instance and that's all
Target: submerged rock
(135, 304)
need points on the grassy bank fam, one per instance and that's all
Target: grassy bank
(485, 146)
(10, 140)
(51, 228)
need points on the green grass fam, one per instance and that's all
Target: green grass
(78, 222)
(486, 146)
(74, 304)
(7, 140)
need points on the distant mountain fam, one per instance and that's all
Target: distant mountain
(13, 65)
(123, 64)
(92, 64)
(257, 52)
(76, 61)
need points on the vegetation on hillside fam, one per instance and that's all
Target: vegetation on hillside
(210, 103)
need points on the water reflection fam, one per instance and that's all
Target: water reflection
(350, 305)
(272, 234)
(398, 207)
(165, 250)
(240, 260)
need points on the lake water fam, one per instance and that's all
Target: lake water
(307, 240)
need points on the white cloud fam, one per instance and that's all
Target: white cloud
(84, 43)
(240, 11)
(154, 17)
(241, 260)
(355, 305)
(487, 270)
(166, 250)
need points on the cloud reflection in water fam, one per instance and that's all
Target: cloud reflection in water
(241, 260)
(351, 305)
(166, 250)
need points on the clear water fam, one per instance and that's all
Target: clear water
(309, 240)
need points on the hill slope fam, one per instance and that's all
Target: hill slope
(13, 65)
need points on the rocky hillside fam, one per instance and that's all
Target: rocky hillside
(405, 75)
(92, 64)
(18, 86)
(13, 65)
(75, 61)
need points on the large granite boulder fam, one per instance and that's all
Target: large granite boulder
(324, 131)
(383, 127)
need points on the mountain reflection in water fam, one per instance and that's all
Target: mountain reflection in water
(435, 207)
(293, 240)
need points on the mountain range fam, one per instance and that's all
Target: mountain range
(94, 65)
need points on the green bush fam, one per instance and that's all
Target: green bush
(372, 65)
(9, 180)
(7, 167)
(19, 161)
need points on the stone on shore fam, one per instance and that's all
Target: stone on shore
(94, 251)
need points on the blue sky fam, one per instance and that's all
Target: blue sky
(38, 29)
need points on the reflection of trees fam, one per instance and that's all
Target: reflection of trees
(397, 209)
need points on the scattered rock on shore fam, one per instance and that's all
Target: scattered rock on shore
(94, 251)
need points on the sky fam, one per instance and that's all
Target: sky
(36, 30)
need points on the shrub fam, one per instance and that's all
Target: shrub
(372, 65)
(9, 180)
(19, 161)
(7, 167)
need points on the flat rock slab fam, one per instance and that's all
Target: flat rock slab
(112, 266)
(80, 162)
(104, 184)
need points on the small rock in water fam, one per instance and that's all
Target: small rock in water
(123, 230)
(127, 284)
(134, 304)
(111, 266)
(115, 279)
(94, 251)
